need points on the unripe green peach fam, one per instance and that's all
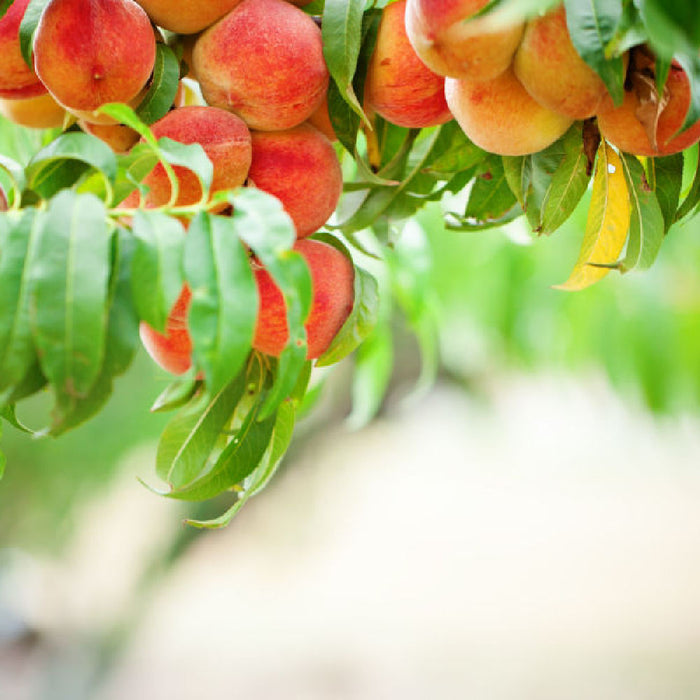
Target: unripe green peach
(452, 43)
(400, 87)
(263, 61)
(299, 166)
(332, 278)
(91, 52)
(17, 79)
(551, 70)
(500, 116)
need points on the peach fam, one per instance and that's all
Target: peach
(551, 70)
(636, 127)
(90, 52)
(332, 278)
(172, 350)
(299, 166)
(321, 119)
(500, 116)
(17, 79)
(450, 44)
(185, 16)
(263, 61)
(226, 141)
(118, 137)
(40, 112)
(400, 87)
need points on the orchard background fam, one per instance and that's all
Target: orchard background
(440, 304)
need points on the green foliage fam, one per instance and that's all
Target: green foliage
(79, 270)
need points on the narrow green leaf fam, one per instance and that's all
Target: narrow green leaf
(491, 196)
(27, 29)
(256, 482)
(18, 251)
(517, 172)
(666, 175)
(69, 289)
(646, 218)
(17, 177)
(157, 272)
(592, 25)
(163, 88)
(238, 459)
(176, 394)
(189, 439)
(341, 29)
(8, 412)
(4, 7)
(224, 305)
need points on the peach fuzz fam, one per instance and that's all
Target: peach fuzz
(551, 70)
(621, 126)
(17, 79)
(400, 87)
(172, 349)
(321, 119)
(500, 116)
(185, 16)
(90, 52)
(40, 112)
(332, 279)
(299, 166)
(226, 141)
(451, 45)
(263, 61)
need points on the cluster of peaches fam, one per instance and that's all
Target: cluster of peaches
(515, 90)
(262, 74)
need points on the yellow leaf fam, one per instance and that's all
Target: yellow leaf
(607, 225)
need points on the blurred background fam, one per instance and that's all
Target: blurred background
(525, 526)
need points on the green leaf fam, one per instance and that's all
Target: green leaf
(27, 29)
(189, 439)
(646, 218)
(374, 362)
(260, 477)
(157, 266)
(592, 25)
(568, 184)
(18, 251)
(341, 29)
(132, 168)
(8, 413)
(17, 177)
(238, 459)
(666, 179)
(4, 7)
(52, 168)
(517, 171)
(176, 394)
(224, 305)
(491, 196)
(69, 279)
(457, 152)
(163, 88)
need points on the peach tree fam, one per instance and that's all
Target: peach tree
(195, 155)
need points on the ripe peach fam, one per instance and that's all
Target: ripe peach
(118, 137)
(551, 70)
(263, 61)
(332, 276)
(299, 166)
(500, 116)
(633, 126)
(90, 52)
(321, 119)
(172, 350)
(224, 138)
(400, 87)
(185, 16)
(17, 79)
(451, 44)
(40, 112)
